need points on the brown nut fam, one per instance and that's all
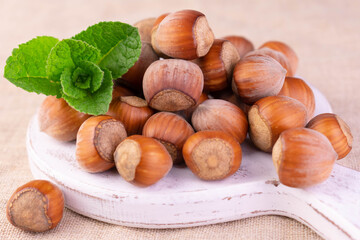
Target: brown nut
(303, 157)
(173, 85)
(132, 111)
(59, 120)
(186, 114)
(286, 50)
(184, 34)
(142, 160)
(144, 27)
(220, 115)
(230, 96)
(134, 76)
(120, 91)
(336, 130)
(156, 25)
(171, 130)
(96, 142)
(36, 206)
(278, 56)
(242, 44)
(298, 89)
(212, 155)
(270, 116)
(218, 65)
(256, 77)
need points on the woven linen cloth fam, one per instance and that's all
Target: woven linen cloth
(324, 34)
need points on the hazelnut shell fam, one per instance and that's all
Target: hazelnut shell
(36, 206)
(336, 130)
(303, 157)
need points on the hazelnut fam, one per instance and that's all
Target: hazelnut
(135, 74)
(270, 116)
(59, 120)
(36, 206)
(212, 155)
(303, 157)
(171, 130)
(278, 56)
(142, 160)
(228, 95)
(155, 26)
(218, 65)
(256, 77)
(286, 50)
(336, 130)
(96, 142)
(186, 114)
(132, 111)
(144, 27)
(173, 85)
(298, 89)
(220, 115)
(184, 34)
(242, 45)
(120, 91)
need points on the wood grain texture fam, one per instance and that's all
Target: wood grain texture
(182, 200)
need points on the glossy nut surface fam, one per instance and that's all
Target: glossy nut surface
(132, 111)
(336, 130)
(220, 115)
(286, 50)
(278, 56)
(242, 44)
(173, 85)
(184, 34)
(303, 157)
(96, 142)
(142, 160)
(256, 77)
(270, 116)
(171, 130)
(59, 120)
(218, 65)
(298, 89)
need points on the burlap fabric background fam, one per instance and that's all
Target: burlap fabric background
(325, 35)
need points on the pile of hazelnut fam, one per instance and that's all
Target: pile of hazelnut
(191, 99)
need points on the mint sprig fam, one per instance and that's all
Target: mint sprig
(118, 42)
(79, 70)
(26, 68)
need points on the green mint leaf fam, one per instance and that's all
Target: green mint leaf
(87, 77)
(118, 42)
(96, 75)
(26, 67)
(94, 103)
(68, 86)
(69, 53)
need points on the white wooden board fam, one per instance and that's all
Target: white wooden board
(180, 200)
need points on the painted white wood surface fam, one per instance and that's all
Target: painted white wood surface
(180, 200)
